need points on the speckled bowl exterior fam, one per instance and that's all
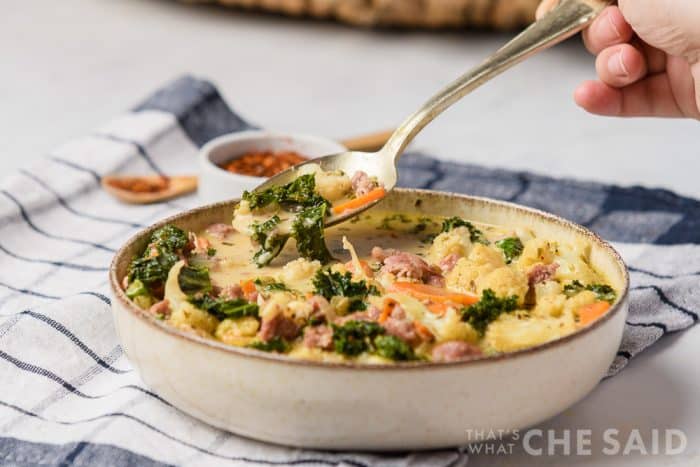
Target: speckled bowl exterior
(410, 405)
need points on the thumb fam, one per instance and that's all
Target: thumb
(669, 25)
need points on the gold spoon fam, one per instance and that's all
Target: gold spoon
(146, 189)
(568, 18)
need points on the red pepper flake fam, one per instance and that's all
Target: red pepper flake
(263, 163)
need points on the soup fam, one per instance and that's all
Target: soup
(382, 288)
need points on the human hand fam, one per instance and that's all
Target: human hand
(647, 59)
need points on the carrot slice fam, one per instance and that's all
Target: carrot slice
(423, 331)
(435, 294)
(374, 195)
(589, 313)
(248, 286)
(388, 307)
(439, 308)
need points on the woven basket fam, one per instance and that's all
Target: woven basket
(500, 14)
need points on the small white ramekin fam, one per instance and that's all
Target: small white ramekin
(218, 184)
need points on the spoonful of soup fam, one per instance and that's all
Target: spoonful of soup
(362, 179)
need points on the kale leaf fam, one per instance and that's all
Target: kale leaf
(512, 247)
(393, 348)
(136, 289)
(293, 196)
(270, 240)
(270, 285)
(276, 344)
(307, 229)
(475, 235)
(331, 284)
(355, 337)
(165, 248)
(194, 280)
(602, 291)
(224, 308)
(487, 310)
(169, 238)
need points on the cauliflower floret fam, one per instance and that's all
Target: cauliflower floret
(574, 264)
(505, 282)
(537, 251)
(297, 274)
(480, 261)
(451, 327)
(549, 306)
(190, 318)
(454, 242)
(333, 185)
(300, 309)
(508, 333)
(277, 303)
(238, 332)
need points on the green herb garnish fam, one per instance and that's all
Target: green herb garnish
(223, 308)
(475, 235)
(393, 348)
(276, 344)
(512, 247)
(487, 310)
(355, 337)
(602, 291)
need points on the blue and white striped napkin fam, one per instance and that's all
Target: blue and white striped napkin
(69, 396)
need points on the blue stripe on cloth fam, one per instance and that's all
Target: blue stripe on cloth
(15, 452)
(199, 108)
(292, 461)
(53, 324)
(50, 375)
(28, 220)
(60, 264)
(140, 150)
(633, 214)
(73, 165)
(63, 202)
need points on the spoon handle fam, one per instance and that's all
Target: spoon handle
(568, 18)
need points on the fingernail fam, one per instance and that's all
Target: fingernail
(616, 65)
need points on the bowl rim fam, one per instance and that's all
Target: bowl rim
(239, 136)
(119, 294)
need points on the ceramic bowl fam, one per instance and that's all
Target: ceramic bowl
(218, 184)
(409, 405)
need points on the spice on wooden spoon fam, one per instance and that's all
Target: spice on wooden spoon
(149, 188)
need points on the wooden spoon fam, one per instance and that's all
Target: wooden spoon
(146, 189)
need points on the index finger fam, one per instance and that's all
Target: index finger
(608, 29)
